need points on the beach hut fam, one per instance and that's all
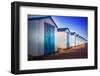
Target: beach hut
(41, 35)
(77, 39)
(80, 40)
(84, 41)
(63, 38)
(72, 39)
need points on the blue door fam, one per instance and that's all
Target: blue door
(49, 39)
(67, 41)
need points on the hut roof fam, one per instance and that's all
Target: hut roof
(72, 33)
(83, 38)
(77, 34)
(63, 29)
(41, 17)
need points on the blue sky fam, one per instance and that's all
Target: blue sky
(75, 24)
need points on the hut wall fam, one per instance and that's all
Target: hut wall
(72, 41)
(35, 37)
(77, 40)
(83, 41)
(61, 40)
(80, 41)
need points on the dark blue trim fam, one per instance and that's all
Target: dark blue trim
(83, 38)
(72, 33)
(63, 29)
(36, 18)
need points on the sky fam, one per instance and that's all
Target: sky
(75, 24)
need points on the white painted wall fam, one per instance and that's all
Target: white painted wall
(36, 37)
(61, 40)
(80, 41)
(77, 40)
(5, 35)
(72, 40)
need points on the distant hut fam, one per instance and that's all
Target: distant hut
(80, 40)
(73, 39)
(41, 35)
(83, 40)
(77, 39)
(63, 38)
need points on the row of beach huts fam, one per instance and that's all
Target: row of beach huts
(44, 36)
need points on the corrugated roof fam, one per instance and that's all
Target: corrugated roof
(62, 29)
(33, 17)
(77, 34)
(83, 38)
(72, 33)
(40, 17)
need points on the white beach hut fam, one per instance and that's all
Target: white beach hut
(63, 38)
(72, 39)
(41, 35)
(77, 39)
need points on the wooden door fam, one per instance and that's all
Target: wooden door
(49, 39)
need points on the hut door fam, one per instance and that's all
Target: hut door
(49, 39)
